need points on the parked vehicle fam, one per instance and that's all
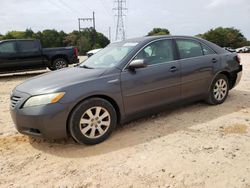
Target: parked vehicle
(19, 55)
(123, 81)
(92, 52)
(245, 49)
(229, 49)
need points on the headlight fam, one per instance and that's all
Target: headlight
(43, 99)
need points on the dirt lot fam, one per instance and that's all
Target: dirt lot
(194, 146)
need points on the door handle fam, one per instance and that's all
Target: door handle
(214, 60)
(173, 69)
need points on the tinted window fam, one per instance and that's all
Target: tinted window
(189, 48)
(28, 46)
(8, 47)
(206, 50)
(157, 52)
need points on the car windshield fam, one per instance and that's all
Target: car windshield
(109, 56)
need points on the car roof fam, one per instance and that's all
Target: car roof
(147, 39)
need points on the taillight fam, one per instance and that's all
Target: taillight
(237, 58)
(76, 52)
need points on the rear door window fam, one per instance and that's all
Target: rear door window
(28, 46)
(8, 47)
(189, 48)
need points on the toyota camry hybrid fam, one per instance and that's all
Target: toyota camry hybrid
(121, 82)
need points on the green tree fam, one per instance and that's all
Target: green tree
(101, 41)
(51, 38)
(71, 38)
(225, 37)
(15, 35)
(85, 40)
(62, 36)
(158, 31)
(29, 34)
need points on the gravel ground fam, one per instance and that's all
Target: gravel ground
(191, 146)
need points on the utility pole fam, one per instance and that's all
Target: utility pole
(93, 19)
(86, 20)
(120, 28)
(110, 33)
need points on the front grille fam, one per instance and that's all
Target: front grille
(14, 100)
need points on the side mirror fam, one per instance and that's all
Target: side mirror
(137, 63)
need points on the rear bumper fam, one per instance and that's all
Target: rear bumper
(74, 60)
(238, 76)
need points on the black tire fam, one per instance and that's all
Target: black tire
(58, 63)
(212, 97)
(76, 128)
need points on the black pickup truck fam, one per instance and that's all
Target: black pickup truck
(26, 54)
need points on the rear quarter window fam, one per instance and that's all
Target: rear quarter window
(28, 46)
(207, 50)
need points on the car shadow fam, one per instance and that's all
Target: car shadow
(147, 129)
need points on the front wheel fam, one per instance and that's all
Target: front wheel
(219, 90)
(92, 121)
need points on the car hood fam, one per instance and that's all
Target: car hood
(58, 80)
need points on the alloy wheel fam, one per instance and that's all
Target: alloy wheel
(95, 122)
(60, 64)
(220, 89)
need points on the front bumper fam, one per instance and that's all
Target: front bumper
(48, 121)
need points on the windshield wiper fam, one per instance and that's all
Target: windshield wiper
(87, 67)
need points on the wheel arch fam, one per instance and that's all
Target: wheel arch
(231, 78)
(53, 58)
(105, 97)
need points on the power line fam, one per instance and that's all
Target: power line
(120, 7)
(105, 8)
(62, 6)
(85, 6)
(69, 7)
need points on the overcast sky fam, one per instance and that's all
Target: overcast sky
(182, 17)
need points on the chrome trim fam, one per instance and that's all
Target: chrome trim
(113, 81)
(14, 100)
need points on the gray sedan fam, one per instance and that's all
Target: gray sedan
(125, 80)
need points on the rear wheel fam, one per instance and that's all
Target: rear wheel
(92, 121)
(219, 90)
(59, 63)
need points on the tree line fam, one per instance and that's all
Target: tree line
(89, 39)
(85, 40)
(224, 37)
